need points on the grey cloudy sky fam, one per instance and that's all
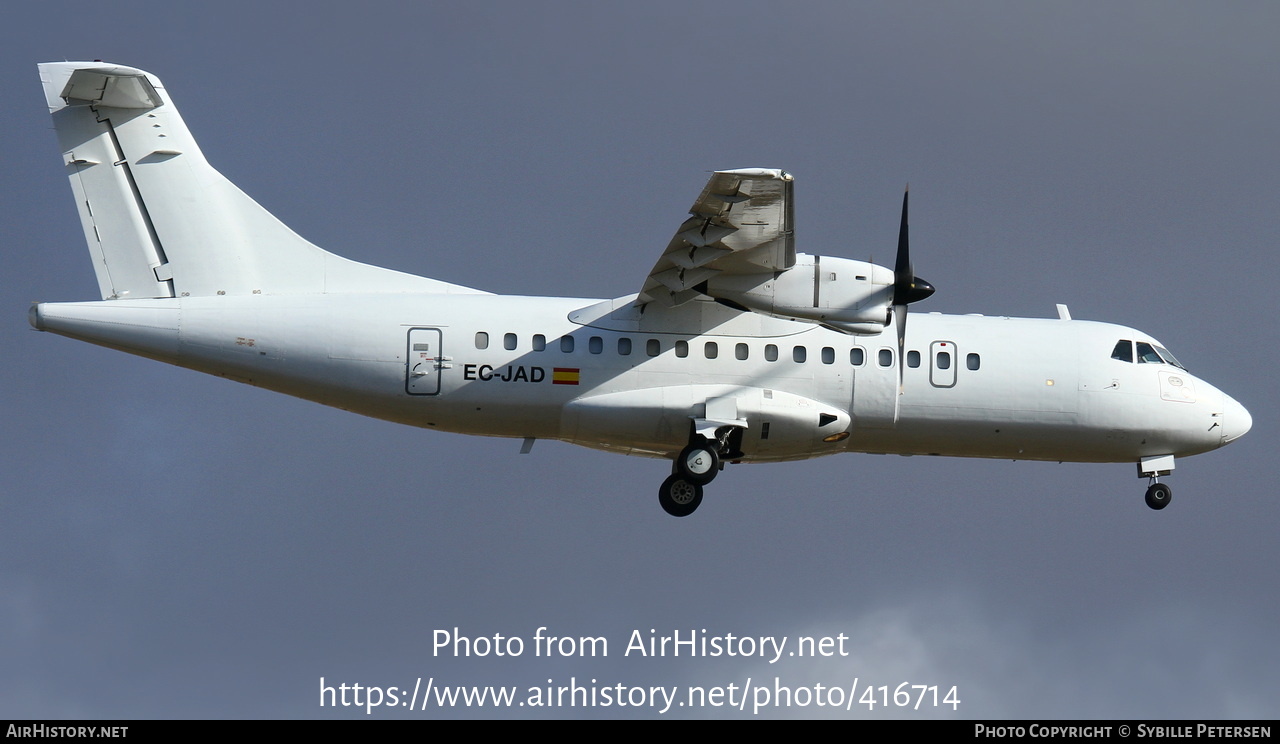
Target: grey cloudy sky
(176, 545)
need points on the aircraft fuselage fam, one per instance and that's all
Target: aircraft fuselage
(527, 367)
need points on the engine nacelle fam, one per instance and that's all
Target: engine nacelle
(853, 296)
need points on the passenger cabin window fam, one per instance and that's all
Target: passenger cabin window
(682, 349)
(566, 344)
(595, 345)
(857, 356)
(885, 358)
(482, 340)
(653, 347)
(740, 352)
(799, 354)
(913, 359)
(828, 355)
(973, 362)
(539, 342)
(624, 346)
(509, 341)
(1123, 351)
(771, 353)
(712, 350)
(943, 360)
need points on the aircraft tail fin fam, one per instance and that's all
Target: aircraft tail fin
(160, 221)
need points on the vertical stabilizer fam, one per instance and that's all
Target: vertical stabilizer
(160, 221)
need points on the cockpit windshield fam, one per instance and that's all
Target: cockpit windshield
(1146, 353)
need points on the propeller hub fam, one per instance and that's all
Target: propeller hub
(914, 290)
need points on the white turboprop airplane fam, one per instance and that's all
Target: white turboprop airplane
(736, 349)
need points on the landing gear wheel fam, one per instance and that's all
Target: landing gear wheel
(1159, 495)
(698, 463)
(678, 496)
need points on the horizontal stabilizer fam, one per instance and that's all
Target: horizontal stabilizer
(110, 88)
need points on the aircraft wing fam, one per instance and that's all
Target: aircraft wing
(741, 223)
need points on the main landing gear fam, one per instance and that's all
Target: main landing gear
(678, 496)
(699, 462)
(697, 465)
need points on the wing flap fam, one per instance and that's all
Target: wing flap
(678, 280)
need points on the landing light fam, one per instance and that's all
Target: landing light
(837, 437)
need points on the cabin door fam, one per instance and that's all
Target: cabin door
(424, 362)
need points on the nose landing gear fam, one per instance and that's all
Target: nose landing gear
(1158, 495)
(1152, 468)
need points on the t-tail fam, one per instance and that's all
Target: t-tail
(160, 221)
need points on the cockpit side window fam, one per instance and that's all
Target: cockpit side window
(1169, 357)
(1123, 351)
(1147, 354)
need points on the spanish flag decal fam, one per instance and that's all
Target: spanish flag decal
(564, 376)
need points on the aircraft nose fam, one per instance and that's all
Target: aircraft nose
(1236, 420)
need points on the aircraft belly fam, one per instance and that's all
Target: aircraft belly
(1017, 435)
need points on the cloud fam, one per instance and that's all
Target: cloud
(1172, 661)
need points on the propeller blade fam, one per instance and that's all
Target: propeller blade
(903, 278)
(902, 271)
(900, 321)
(907, 288)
